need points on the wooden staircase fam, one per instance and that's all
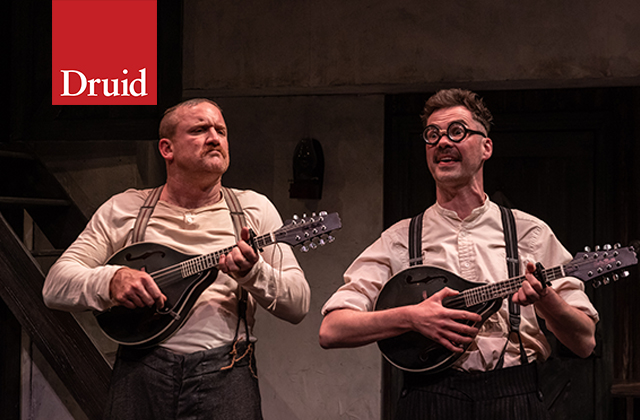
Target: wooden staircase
(28, 187)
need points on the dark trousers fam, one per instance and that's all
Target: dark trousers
(504, 394)
(156, 384)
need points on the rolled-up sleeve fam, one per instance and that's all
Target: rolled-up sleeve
(371, 270)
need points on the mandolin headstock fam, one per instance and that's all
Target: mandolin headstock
(310, 231)
(602, 265)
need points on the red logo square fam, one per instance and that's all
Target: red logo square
(104, 52)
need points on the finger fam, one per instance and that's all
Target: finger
(516, 298)
(534, 282)
(131, 300)
(226, 264)
(222, 263)
(443, 293)
(526, 295)
(143, 297)
(521, 298)
(126, 303)
(463, 330)
(247, 252)
(454, 330)
(245, 234)
(530, 291)
(152, 289)
(459, 340)
(247, 257)
(451, 345)
(232, 260)
(464, 315)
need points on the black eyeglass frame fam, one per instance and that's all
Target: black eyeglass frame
(466, 133)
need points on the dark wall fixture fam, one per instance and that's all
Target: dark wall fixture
(308, 170)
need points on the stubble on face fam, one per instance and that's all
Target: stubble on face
(201, 140)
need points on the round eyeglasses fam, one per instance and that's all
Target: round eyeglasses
(456, 132)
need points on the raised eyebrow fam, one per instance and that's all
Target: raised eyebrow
(459, 122)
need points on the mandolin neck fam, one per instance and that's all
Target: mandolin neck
(208, 261)
(505, 288)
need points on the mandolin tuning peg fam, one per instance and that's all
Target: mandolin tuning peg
(597, 248)
(587, 249)
(606, 281)
(625, 273)
(323, 213)
(615, 277)
(304, 248)
(313, 245)
(617, 246)
(607, 247)
(322, 242)
(596, 283)
(330, 239)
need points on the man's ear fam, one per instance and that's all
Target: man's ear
(166, 149)
(488, 148)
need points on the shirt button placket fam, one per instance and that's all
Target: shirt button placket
(466, 257)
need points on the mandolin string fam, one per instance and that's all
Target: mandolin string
(501, 289)
(171, 274)
(496, 290)
(492, 291)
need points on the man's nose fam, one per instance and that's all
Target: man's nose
(444, 142)
(213, 136)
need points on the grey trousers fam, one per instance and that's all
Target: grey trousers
(509, 394)
(157, 384)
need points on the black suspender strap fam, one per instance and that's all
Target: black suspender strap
(239, 221)
(144, 214)
(511, 241)
(415, 240)
(513, 266)
(237, 215)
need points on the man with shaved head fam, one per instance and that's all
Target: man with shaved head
(206, 369)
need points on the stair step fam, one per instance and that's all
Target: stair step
(47, 252)
(16, 155)
(26, 201)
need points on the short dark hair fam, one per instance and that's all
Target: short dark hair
(448, 98)
(169, 120)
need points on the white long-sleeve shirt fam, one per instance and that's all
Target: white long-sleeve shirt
(473, 249)
(79, 280)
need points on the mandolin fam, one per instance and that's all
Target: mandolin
(413, 352)
(182, 278)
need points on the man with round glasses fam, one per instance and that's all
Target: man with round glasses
(496, 377)
(456, 133)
